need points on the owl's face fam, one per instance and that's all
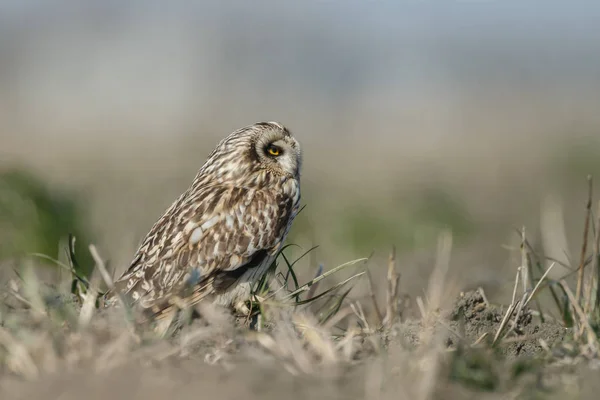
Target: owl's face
(250, 152)
(278, 151)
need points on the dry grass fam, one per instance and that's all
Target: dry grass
(58, 341)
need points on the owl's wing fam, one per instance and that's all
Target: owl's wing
(210, 234)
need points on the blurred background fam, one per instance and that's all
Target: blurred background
(476, 116)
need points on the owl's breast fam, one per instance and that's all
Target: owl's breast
(291, 190)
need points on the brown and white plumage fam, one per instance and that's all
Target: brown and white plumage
(220, 236)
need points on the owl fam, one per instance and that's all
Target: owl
(222, 234)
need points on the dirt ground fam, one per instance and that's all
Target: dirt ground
(226, 364)
(472, 317)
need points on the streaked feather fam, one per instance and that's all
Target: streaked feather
(221, 234)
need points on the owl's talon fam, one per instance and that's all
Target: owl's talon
(242, 308)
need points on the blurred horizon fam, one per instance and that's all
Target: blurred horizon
(185, 62)
(479, 109)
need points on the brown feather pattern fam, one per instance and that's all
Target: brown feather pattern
(220, 235)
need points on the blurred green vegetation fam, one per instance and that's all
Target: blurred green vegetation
(577, 158)
(35, 218)
(411, 222)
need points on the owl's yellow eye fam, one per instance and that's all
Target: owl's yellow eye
(274, 150)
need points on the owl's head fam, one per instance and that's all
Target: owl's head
(255, 149)
(276, 150)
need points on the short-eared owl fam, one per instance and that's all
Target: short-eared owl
(220, 236)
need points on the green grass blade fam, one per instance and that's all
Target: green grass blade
(307, 285)
(290, 272)
(335, 307)
(334, 287)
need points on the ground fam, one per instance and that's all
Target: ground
(441, 356)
